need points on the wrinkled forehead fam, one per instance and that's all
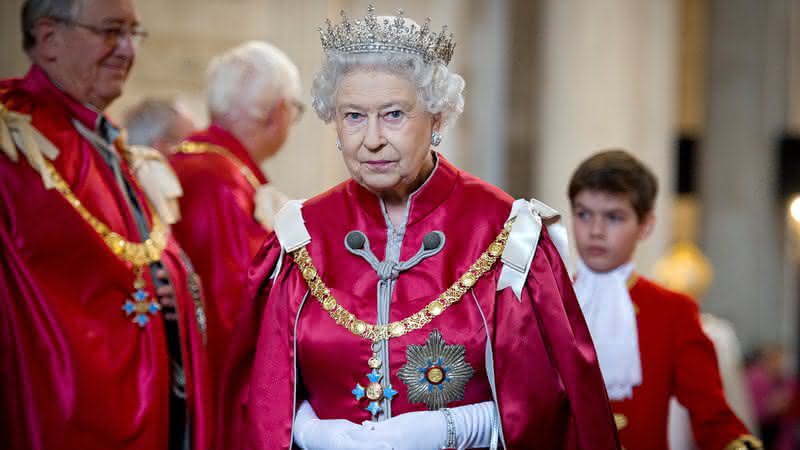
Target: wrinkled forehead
(375, 89)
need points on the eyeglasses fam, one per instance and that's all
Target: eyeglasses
(112, 35)
(300, 108)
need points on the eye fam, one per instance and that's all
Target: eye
(111, 33)
(352, 116)
(615, 218)
(394, 115)
(582, 215)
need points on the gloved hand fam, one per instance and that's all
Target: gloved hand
(428, 429)
(313, 433)
(418, 430)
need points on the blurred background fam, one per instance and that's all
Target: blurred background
(707, 92)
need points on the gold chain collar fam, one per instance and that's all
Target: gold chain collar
(377, 333)
(204, 147)
(136, 253)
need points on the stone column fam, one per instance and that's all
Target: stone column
(484, 44)
(608, 79)
(742, 217)
(523, 80)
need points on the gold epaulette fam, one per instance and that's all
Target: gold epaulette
(18, 135)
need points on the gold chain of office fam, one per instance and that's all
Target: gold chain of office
(136, 253)
(204, 147)
(377, 333)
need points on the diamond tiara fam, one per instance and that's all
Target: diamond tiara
(386, 34)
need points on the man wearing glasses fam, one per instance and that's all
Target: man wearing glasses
(102, 334)
(228, 204)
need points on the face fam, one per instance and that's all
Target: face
(607, 229)
(264, 132)
(79, 56)
(285, 113)
(385, 133)
(182, 127)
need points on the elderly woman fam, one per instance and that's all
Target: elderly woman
(414, 305)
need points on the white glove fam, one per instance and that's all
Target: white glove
(418, 430)
(428, 429)
(312, 433)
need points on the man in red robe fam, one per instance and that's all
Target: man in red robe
(90, 358)
(228, 204)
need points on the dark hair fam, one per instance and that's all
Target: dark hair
(33, 10)
(616, 172)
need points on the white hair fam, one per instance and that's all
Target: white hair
(439, 89)
(250, 78)
(33, 10)
(151, 120)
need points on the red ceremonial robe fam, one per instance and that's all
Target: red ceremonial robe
(218, 230)
(286, 348)
(678, 360)
(76, 372)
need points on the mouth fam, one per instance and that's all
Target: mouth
(596, 251)
(379, 165)
(117, 69)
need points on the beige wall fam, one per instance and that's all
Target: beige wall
(186, 34)
(12, 60)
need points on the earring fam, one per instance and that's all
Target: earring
(338, 144)
(436, 138)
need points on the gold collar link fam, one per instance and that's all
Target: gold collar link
(136, 253)
(377, 333)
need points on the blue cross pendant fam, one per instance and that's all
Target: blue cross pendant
(374, 392)
(140, 305)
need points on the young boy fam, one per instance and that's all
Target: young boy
(649, 341)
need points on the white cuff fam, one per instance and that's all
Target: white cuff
(474, 424)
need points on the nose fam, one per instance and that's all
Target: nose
(374, 140)
(126, 45)
(597, 228)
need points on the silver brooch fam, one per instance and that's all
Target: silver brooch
(435, 373)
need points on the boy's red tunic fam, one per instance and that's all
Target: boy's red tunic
(677, 360)
(76, 372)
